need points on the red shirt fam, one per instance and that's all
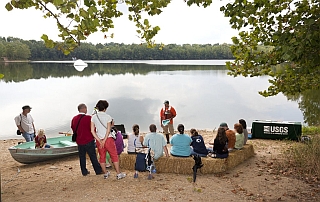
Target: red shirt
(84, 135)
(40, 141)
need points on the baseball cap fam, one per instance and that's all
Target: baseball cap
(26, 107)
(223, 124)
(166, 102)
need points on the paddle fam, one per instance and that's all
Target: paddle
(213, 133)
(65, 133)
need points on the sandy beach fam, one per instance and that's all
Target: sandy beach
(61, 180)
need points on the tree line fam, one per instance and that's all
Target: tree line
(18, 49)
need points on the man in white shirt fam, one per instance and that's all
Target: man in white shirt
(24, 122)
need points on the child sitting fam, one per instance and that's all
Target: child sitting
(41, 140)
(134, 140)
(119, 139)
(239, 136)
(119, 144)
(220, 149)
(198, 146)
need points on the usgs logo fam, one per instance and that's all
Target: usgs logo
(276, 130)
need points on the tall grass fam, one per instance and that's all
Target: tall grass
(305, 157)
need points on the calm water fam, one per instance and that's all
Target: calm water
(201, 91)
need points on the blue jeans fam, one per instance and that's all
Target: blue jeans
(195, 153)
(91, 150)
(28, 136)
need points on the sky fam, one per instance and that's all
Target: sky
(179, 23)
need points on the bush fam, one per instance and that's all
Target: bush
(310, 130)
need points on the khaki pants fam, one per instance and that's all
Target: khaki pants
(168, 129)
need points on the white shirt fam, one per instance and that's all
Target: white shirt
(26, 122)
(133, 142)
(101, 130)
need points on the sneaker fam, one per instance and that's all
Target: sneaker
(105, 176)
(153, 168)
(121, 175)
(135, 175)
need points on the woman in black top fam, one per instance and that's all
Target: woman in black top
(220, 144)
(198, 146)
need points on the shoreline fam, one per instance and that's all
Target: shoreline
(60, 180)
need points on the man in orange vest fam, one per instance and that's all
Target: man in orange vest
(167, 114)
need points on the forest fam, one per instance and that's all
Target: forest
(17, 49)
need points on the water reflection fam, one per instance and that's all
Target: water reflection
(16, 72)
(203, 96)
(309, 104)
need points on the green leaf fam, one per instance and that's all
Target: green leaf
(9, 7)
(57, 2)
(71, 15)
(146, 22)
(44, 37)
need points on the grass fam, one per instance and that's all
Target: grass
(304, 158)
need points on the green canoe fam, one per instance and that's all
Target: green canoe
(26, 152)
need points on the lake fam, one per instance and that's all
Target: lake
(201, 92)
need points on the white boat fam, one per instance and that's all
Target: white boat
(80, 65)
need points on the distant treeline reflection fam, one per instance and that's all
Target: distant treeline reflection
(17, 72)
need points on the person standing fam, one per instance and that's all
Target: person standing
(167, 114)
(81, 125)
(24, 122)
(100, 129)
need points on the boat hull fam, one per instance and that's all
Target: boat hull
(62, 147)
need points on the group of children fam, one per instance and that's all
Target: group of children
(225, 141)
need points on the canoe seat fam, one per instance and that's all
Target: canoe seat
(68, 143)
